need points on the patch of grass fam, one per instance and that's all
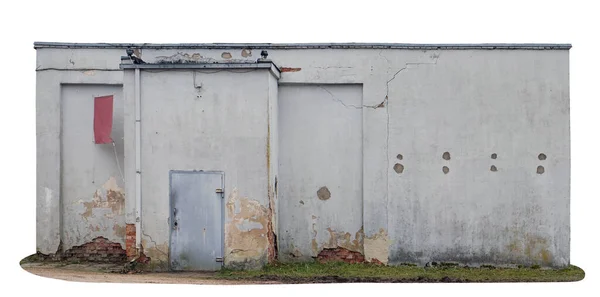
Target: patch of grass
(311, 272)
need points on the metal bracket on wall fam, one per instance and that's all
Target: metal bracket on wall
(219, 259)
(220, 191)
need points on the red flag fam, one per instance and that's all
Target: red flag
(103, 118)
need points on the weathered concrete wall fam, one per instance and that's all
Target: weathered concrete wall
(208, 120)
(92, 186)
(64, 172)
(320, 165)
(273, 163)
(415, 103)
(485, 109)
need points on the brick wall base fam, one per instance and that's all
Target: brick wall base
(340, 254)
(99, 249)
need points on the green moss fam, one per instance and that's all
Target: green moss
(308, 271)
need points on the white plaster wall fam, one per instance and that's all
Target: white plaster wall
(320, 139)
(92, 185)
(472, 105)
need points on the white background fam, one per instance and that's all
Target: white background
(23, 22)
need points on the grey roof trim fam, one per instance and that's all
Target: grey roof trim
(531, 46)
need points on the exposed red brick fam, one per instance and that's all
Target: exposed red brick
(376, 262)
(340, 254)
(289, 69)
(99, 249)
(130, 241)
(143, 259)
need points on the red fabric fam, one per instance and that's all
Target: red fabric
(103, 118)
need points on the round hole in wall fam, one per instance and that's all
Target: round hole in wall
(494, 156)
(493, 168)
(399, 156)
(446, 156)
(542, 157)
(399, 168)
(540, 169)
(445, 169)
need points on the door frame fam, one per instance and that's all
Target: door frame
(222, 243)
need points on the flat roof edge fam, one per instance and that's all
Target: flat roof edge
(487, 46)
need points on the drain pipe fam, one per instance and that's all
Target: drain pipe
(138, 171)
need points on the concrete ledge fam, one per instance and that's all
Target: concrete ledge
(260, 65)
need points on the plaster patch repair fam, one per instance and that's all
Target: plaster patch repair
(246, 231)
(377, 247)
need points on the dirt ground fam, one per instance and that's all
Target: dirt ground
(108, 273)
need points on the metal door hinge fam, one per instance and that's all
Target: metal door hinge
(219, 259)
(219, 191)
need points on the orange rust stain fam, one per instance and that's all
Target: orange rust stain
(289, 69)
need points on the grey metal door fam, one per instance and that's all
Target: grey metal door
(196, 199)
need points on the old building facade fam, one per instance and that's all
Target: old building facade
(200, 156)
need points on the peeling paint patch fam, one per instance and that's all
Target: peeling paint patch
(119, 231)
(226, 55)
(246, 53)
(314, 246)
(290, 69)
(111, 196)
(182, 58)
(377, 247)
(240, 244)
(90, 72)
(344, 240)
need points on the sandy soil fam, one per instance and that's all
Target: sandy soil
(109, 274)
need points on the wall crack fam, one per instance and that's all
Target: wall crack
(155, 245)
